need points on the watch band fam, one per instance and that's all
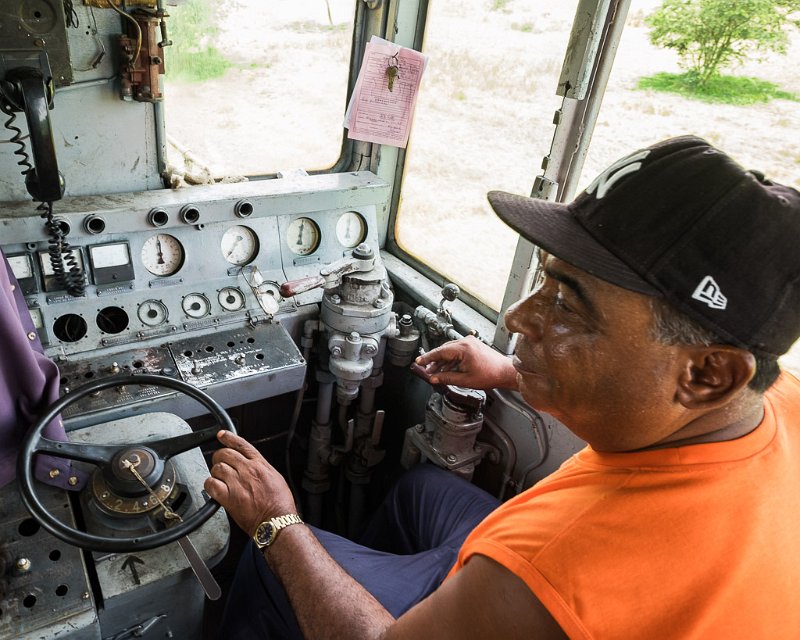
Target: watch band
(267, 531)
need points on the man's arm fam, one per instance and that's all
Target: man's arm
(482, 600)
(469, 363)
(326, 601)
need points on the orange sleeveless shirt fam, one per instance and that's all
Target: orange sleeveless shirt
(692, 542)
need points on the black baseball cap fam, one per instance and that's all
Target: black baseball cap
(684, 221)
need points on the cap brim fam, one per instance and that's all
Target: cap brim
(552, 227)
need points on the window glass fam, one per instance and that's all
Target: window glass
(257, 87)
(484, 121)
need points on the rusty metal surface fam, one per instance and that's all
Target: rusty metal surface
(43, 583)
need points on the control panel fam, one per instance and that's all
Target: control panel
(186, 283)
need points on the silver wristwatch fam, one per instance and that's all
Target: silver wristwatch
(267, 531)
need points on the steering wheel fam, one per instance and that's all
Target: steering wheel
(113, 463)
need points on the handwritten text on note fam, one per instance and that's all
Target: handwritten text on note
(382, 105)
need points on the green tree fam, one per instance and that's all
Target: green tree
(710, 35)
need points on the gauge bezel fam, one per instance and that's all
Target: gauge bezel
(155, 303)
(292, 233)
(363, 229)
(206, 303)
(236, 292)
(173, 266)
(253, 245)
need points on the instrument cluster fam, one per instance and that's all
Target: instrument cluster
(245, 264)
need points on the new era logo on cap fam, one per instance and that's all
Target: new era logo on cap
(708, 292)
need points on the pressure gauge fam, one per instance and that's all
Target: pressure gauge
(162, 254)
(231, 298)
(196, 305)
(152, 313)
(239, 245)
(302, 237)
(351, 229)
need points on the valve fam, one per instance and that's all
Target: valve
(453, 419)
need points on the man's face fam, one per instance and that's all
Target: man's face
(586, 355)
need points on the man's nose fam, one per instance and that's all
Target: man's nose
(526, 317)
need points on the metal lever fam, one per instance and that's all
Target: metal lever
(203, 573)
(467, 399)
(362, 259)
(301, 285)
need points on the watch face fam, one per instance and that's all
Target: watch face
(265, 534)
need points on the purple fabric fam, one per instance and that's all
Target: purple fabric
(29, 383)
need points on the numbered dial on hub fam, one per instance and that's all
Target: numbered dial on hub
(152, 313)
(239, 245)
(231, 298)
(162, 254)
(196, 305)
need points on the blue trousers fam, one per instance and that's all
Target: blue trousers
(405, 553)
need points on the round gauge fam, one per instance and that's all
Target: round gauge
(196, 305)
(152, 313)
(239, 245)
(231, 298)
(162, 254)
(302, 237)
(351, 229)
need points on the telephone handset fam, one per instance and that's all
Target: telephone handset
(27, 89)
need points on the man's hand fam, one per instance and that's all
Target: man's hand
(246, 485)
(469, 363)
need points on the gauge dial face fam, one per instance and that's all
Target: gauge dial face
(302, 237)
(162, 254)
(231, 298)
(109, 255)
(152, 313)
(21, 266)
(196, 305)
(351, 229)
(239, 245)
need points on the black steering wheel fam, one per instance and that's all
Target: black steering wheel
(112, 461)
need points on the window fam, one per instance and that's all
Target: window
(253, 88)
(484, 121)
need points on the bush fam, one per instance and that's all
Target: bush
(710, 35)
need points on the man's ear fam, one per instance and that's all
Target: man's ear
(713, 375)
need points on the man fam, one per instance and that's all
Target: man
(668, 290)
